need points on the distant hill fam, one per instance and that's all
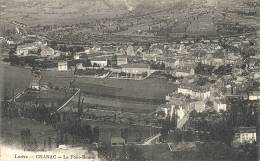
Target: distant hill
(73, 11)
(68, 11)
(66, 4)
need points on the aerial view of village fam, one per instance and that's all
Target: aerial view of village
(130, 80)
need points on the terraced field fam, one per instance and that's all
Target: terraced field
(13, 78)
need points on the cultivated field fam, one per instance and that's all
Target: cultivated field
(146, 94)
(149, 89)
(126, 95)
(119, 104)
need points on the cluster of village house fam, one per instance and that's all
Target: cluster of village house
(201, 99)
(180, 60)
(36, 48)
(212, 96)
(105, 57)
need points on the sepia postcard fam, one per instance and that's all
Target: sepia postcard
(129, 80)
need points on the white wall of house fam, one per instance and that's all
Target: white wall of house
(35, 87)
(136, 70)
(194, 94)
(180, 113)
(80, 66)
(62, 66)
(199, 106)
(10, 42)
(88, 50)
(247, 137)
(212, 61)
(25, 51)
(254, 97)
(22, 52)
(122, 61)
(220, 106)
(76, 57)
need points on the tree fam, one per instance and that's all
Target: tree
(44, 144)
(96, 134)
(53, 44)
(251, 150)
(144, 74)
(135, 154)
(80, 103)
(66, 140)
(247, 52)
(22, 134)
(124, 133)
(222, 131)
(49, 143)
(5, 103)
(123, 154)
(35, 144)
(165, 129)
(95, 65)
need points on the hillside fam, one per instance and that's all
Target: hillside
(143, 12)
(58, 11)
